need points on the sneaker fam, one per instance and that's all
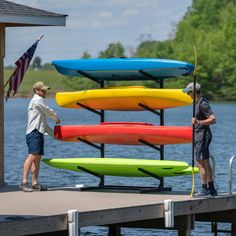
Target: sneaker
(213, 192)
(203, 192)
(39, 187)
(25, 187)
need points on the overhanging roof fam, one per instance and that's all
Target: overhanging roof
(13, 14)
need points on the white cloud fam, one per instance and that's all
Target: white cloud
(92, 25)
(131, 12)
(105, 14)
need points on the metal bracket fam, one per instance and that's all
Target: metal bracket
(88, 171)
(89, 108)
(88, 76)
(73, 223)
(149, 144)
(149, 173)
(169, 213)
(89, 143)
(149, 109)
(100, 185)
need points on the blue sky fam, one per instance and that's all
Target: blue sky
(93, 24)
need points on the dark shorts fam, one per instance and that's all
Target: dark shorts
(35, 142)
(202, 149)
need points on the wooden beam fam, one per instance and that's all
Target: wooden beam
(218, 216)
(2, 55)
(181, 224)
(46, 225)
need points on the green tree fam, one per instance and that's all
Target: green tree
(85, 55)
(211, 25)
(37, 62)
(113, 50)
(155, 49)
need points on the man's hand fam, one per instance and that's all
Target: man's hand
(58, 121)
(196, 122)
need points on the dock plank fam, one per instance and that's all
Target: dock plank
(47, 211)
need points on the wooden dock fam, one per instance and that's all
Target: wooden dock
(45, 213)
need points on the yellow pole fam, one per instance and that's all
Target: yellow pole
(2, 55)
(193, 126)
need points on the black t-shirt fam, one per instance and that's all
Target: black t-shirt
(202, 112)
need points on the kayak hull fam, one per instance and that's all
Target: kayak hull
(124, 98)
(124, 133)
(122, 166)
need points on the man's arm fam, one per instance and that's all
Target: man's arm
(41, 105)
(209, 121)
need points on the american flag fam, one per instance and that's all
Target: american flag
(22, 65)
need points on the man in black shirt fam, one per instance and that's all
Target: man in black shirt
(204, 117)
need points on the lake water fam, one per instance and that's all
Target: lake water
(222, 148)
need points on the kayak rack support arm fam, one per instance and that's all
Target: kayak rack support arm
(149, 173)
(89, 143)
(87, 75)
(89, 108)
(159, 188)
(149, 109)
(149, 76)
(149, 144)
(88, 171)
(101, 184)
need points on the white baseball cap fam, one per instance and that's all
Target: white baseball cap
(189, 87)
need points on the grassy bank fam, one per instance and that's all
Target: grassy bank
(49, 77)
(59, 82)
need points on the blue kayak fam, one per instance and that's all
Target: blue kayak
(124, 68)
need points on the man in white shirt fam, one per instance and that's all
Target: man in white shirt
(36, 128)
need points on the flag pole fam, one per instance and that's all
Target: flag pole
(14, 71)
(194, 113)
(40, 37)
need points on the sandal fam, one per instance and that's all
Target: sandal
(39, 187)
(25, 187)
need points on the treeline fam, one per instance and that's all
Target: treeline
(211, 25)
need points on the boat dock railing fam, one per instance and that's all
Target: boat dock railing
(230, 173)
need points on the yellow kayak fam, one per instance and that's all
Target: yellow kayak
(126, 98)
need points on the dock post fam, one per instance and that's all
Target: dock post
(233, 228)
(2, 55)
(186, 231)
(73, 223)
(114, 231)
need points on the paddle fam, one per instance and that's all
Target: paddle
(194, 100)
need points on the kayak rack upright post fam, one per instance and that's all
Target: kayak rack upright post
(101, 113)
(161, 115)
(102, 151)
(161, 82)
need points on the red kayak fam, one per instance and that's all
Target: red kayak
(125, 133)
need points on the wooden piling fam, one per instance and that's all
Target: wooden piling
(2, 55)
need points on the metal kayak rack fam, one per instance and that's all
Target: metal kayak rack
(230, 173)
